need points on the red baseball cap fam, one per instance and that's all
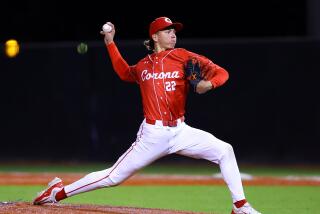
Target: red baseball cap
(162, 23)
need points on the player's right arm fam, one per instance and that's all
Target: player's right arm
(124, 71)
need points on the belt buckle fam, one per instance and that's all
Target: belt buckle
(172, 123)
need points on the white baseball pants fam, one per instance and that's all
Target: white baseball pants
(156, 141)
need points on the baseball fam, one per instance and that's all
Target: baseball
(82, 48)
(106, 28)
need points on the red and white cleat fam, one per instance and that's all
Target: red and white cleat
(47, 196)
(245, 209)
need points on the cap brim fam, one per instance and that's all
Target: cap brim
(177, 26)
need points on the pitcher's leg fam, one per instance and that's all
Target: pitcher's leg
(139, 155)
(152, 143)
(199, 144)
(89, 182)
(231, 174)
(99, 179)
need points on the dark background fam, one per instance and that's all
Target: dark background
(57, 104)
(73, 20)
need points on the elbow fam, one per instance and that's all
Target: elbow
(123, 78)
(124, 73)
(226, 76)
(221, 79)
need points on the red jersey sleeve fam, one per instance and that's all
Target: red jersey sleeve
(211, 71)
(214, 73)
(124, 71)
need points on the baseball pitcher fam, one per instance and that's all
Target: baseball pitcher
(164, 78)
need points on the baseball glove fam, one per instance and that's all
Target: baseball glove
(193, 72)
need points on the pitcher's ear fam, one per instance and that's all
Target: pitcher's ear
(154, 37)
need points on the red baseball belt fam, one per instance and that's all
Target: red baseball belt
(170, 123)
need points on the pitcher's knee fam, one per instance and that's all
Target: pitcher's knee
(112, 182)
(228, 150)
(115, 179)
(229, 147)
(108, 182)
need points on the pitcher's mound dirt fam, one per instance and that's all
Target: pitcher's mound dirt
(24, 207)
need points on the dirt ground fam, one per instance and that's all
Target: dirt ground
(24, 207)
(140, 179)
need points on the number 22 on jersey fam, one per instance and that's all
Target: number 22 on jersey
(170, 85)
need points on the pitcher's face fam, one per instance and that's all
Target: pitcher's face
(166, 39)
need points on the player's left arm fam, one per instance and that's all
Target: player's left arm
(212, 74)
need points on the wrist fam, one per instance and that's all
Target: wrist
(108, 42)
(212, 84)
(209, 85)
